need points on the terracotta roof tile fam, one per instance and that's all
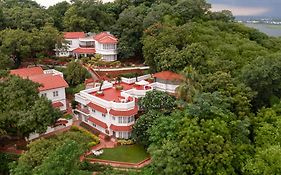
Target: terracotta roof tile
(74, 35)
(168, 75)
(106, 38)
(49, 81)
(121, 128)
(26, 72)
(97, 122)
(85, 50)
(96, 107)
(124, 113)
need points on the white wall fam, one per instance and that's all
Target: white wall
(74, 43)
(60, 98)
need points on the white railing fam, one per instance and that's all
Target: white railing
(135, 92)
(81, 99)
(133, 80)
(53, 72)
(49, 130)
(164, 87)
(85, 94)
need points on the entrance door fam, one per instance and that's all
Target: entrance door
(114, 134)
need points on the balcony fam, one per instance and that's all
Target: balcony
(83, 110)
(87, 46)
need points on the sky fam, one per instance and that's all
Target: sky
(270, 8)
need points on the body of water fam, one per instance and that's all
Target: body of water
(269, 29)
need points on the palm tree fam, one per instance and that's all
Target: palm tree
(189, 87)
(101, 83)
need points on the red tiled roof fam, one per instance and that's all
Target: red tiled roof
(124, 113)
(168, 75)
(97, 122)
(96, 107)
(57, 104)
(121, 128)
(26, 72)
(74, 35)
(49, 81)
(106, 38)
(85, 50)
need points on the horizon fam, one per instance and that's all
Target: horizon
(255, 8)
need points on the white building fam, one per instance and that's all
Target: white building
(113, 112)
(79, 44)
(52, 84)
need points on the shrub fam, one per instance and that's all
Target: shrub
(125, 142)
(85, 132)
(68, 116)
(85, 165)
(129, 75)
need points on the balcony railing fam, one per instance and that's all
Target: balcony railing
(84, 110)
(87, 46)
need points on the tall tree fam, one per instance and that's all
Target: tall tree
(75, 73)
(129, 29)
(22, 111)
(263, 75)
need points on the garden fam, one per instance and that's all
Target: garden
(124, 153)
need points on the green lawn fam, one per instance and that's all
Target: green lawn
(128, 153)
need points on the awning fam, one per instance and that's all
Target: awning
(97, 122)
(57, 104)
(121, 128)
(124, 113)
(96, 107)
(84, 51)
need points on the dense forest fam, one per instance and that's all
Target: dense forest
(226, 117)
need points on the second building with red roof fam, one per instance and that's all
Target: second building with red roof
(80, 44)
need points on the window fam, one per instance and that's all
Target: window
(120, 134)
(93, 110)
(109, 46)
(103, 115)
(94, 124)
(113, 118)
(120, 120)
(44, 95)
(55, 93)
(129, 134)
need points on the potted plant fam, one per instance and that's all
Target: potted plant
(118, 86)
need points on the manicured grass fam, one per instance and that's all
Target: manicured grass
(126, 153)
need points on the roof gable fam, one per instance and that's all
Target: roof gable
(106, 38)
(168, 75)
(49, 81)
(27, 72)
